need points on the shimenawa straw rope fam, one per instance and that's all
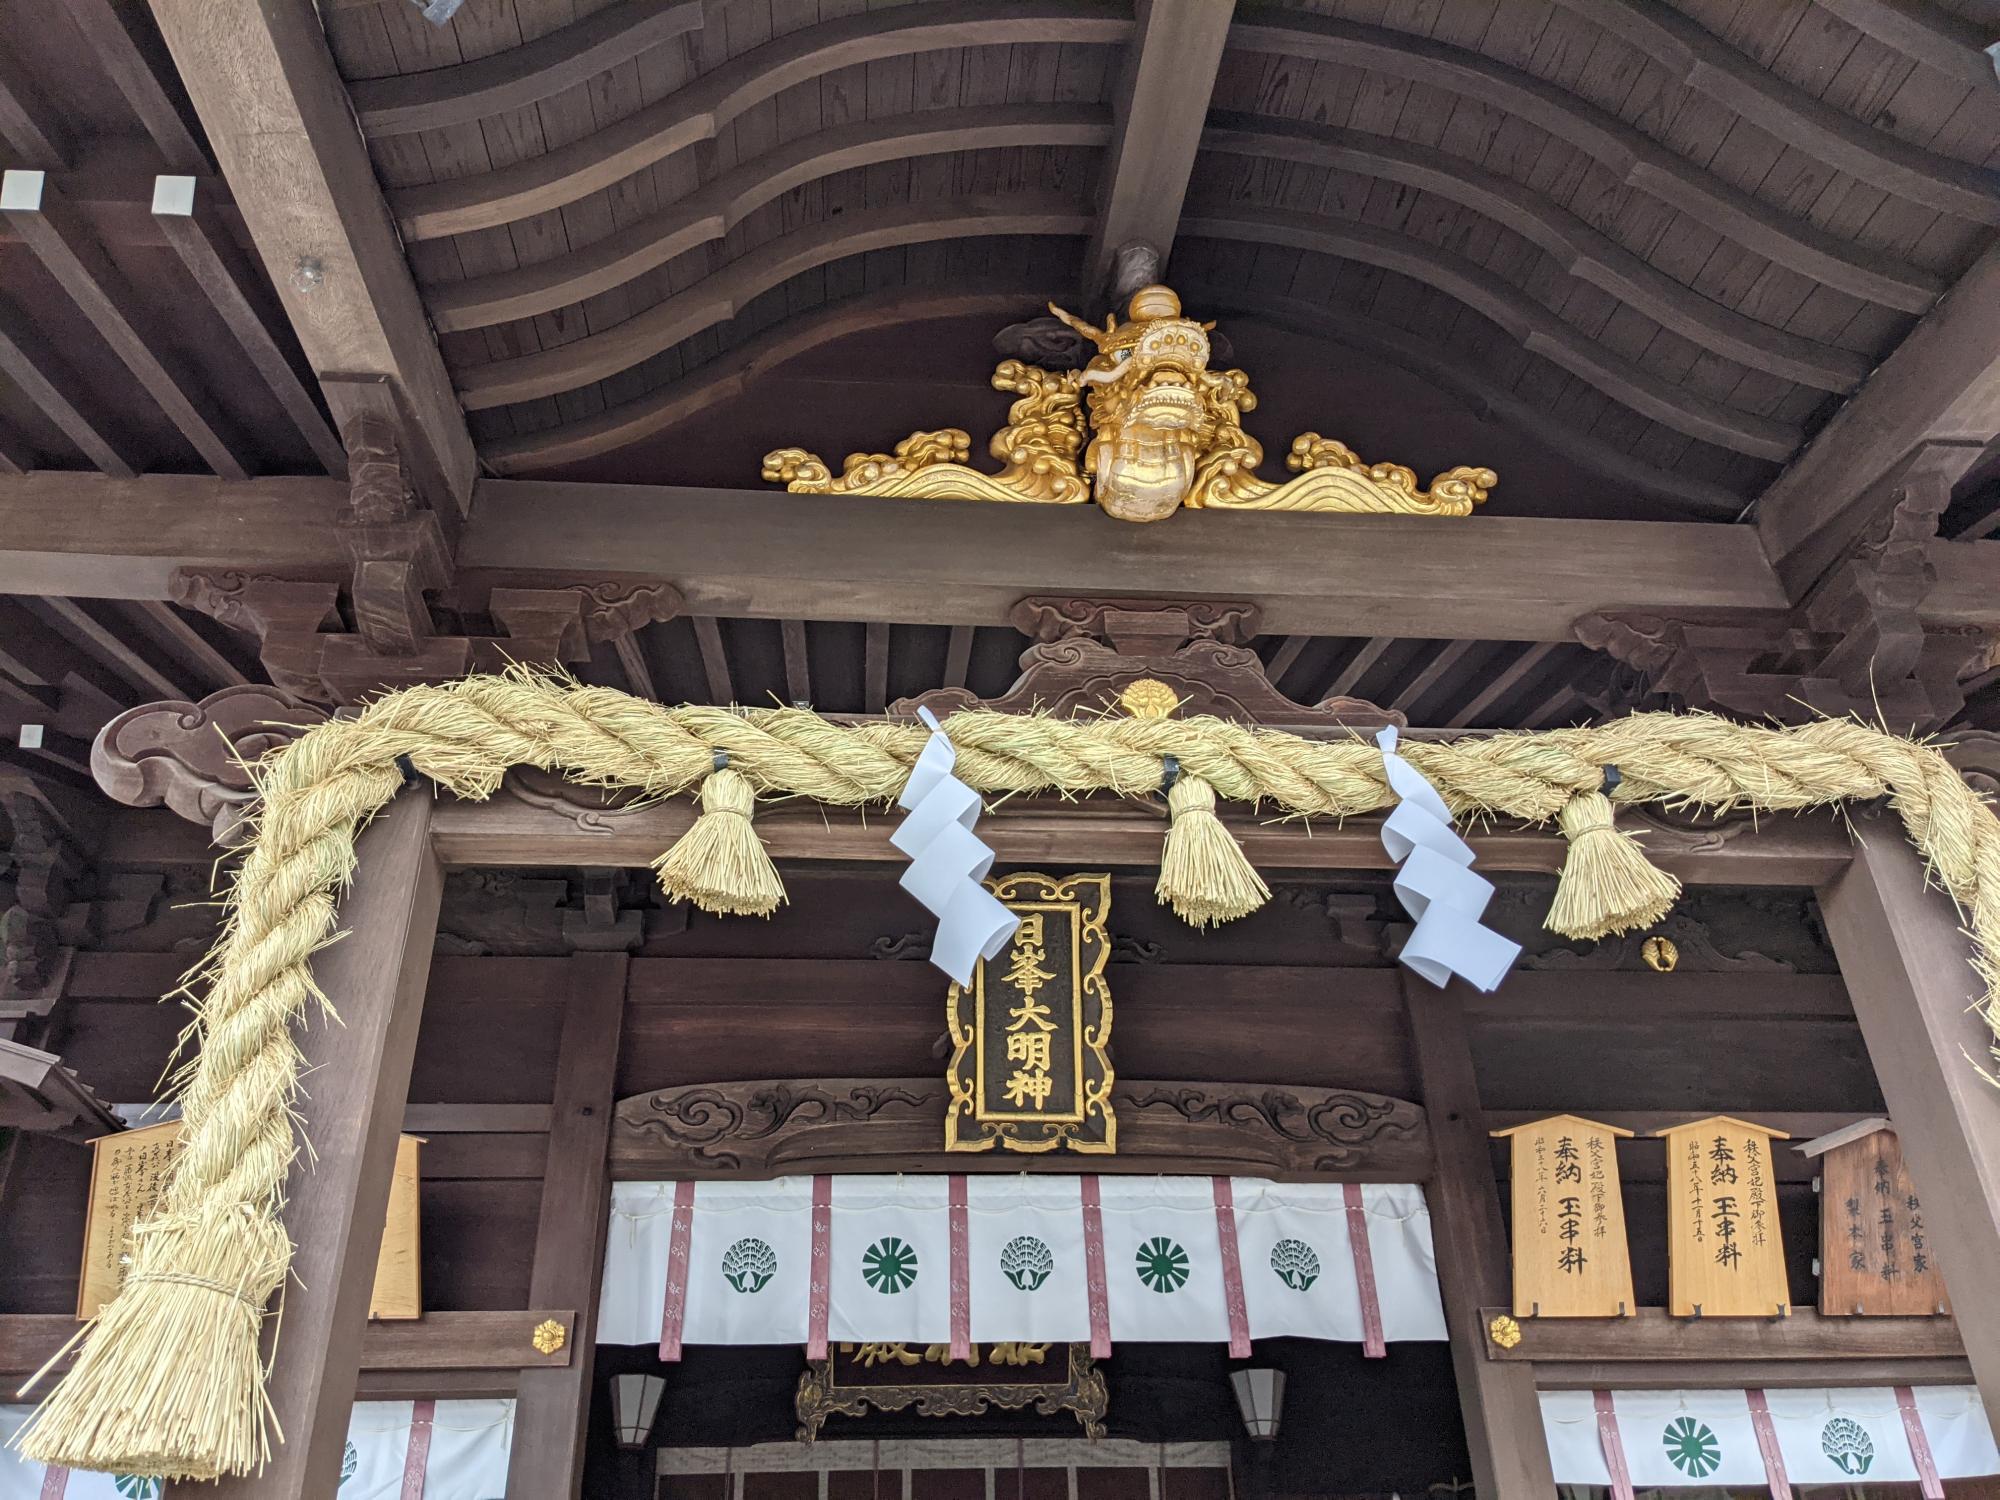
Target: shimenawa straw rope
(168, 1381)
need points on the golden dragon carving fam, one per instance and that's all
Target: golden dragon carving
(1143, 429)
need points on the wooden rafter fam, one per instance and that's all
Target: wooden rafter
(282, 126)
(1157, 115)
(44, 378)
(1629, 154)
(1934, 403)
(232, 289)
(712, 210)
(152, 94)
(1951, 44)
(69, 252)
(705, 106)
(28, 123)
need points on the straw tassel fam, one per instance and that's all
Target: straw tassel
(719, 864)
(1204, 875)
(1607, 885)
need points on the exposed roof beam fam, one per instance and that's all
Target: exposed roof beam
(1157, 115)
(69, 252)
(931, 562)
(1934, 403)
(147, 88)
(28, 125)
(278, 115)
(26, 359)
(192, 226)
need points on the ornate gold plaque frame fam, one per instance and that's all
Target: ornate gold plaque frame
(1082, 1392)
(975, 1118)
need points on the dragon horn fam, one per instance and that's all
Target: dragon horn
(1089, 330)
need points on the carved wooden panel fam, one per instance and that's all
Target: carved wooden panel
(1087, 651)
(771, 1128)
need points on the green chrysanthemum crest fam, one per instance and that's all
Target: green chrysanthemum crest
(1848, 1444)
(749, 1264)
(350, 1460)
(1691, 1447)
(1295, 1263)
(1162, 1264)
(136, 1486)
(1026, 1262)
(890, 1265)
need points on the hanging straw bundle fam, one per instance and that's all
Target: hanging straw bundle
(1607, 885)
(720, 864)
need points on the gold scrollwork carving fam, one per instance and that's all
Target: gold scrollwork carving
(1143, 429)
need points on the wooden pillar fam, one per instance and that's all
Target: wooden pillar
(1905, 961)
(1503, 1416)
(554, 1404)
(357, 1082)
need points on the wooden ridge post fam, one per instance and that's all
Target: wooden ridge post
(357, 1080)
(1903, 956)
(554, 1404)
(1503, 1415)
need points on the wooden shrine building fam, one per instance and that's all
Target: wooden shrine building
(678, 562)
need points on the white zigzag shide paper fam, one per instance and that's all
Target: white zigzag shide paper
(947, 860)
(1435, 883)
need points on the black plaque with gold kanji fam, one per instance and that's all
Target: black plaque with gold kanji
(1031, 1063)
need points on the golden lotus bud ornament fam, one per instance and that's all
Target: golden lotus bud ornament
(1144, 429)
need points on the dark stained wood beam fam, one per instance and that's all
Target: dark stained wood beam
(1498, 683)
(1953, 45)
(554, 1404)
(798, 663)
(184, 644)
(47, 381)
(1503, 1416)
(1736, 1374)
(439, 1341)
(1925, 416)
(1288, 652)
(338, 1195)
(151, 91)
(928, 562)
(69, 252)
(1649, 1334)
(1357, 666)
(28, 124)
(16, 457)
(1794, 851)
(714, 658)
(278, 114)
(232, 289)
(1915, 994)
(98, 640)
(1443, 659)
(875, 666)
(1157, 115)
(703, 108)
(94, 537)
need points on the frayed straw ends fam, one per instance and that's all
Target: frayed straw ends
(1607, 884)
(170, 1381)
(1204, 875)
(720, 864)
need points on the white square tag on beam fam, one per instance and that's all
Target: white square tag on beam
(173, 195)
(21, 188)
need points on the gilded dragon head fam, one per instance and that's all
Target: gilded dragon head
(1156, 409)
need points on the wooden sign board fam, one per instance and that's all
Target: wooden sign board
(1876, 1257)
(1571, 1259)
(1725, 1255)
(1031, 1065)
(126, 1173)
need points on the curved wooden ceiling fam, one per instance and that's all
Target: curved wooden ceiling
(1662, 240)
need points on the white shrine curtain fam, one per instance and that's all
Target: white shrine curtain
(465, 1458)
(1827, 1436)
(748, 1256)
